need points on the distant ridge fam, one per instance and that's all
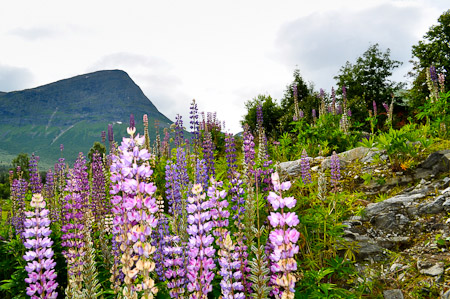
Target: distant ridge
(72, 112)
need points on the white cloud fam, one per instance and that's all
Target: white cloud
(322, 42)
(14, 78)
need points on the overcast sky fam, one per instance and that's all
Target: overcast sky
(222, 53)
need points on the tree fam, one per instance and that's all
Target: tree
(306, 101)
(23, 161)
(271, 115)
(97, 147)
(434, 50)
(368, 80)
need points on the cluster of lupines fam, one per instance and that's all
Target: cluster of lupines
(134, 209)
(283, 238)
(200, 249)
(40, 266)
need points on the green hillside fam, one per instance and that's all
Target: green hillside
(72, 112)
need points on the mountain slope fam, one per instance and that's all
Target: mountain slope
(72, 112)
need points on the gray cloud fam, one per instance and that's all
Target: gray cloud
(154, 75)
(35, 33)
(14, 78)
(322, 42)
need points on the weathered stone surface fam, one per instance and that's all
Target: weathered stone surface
(396, 204)
(434, 207)
(429, 268)
(369, 250)
(393, 294)
(437, 162)
(290, 168)
(358, 153)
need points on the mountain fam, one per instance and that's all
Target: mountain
(72, 112)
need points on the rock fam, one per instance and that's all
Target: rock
(393, 242)
(446, 295)
(446, 182)
(290, 168)
(434, 207)
(429, 268)
(369, 250)
(358, 153)
(393, 294)
(437, 162)
(396, 204)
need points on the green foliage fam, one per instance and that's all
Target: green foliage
(97, 147)
(272, 113)
(437, 114)
(306, 101)
(12, 266)
(321, 138)
(368, 80)
(434, 50)
(21, 160)
(400, 144)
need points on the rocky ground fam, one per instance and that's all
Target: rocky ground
(402, 241)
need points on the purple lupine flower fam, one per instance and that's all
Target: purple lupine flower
(344, 93)
(349, 112)
(174, 262)
(159, 241)
(314, 113)
(283, 239)
(259, 115)
(301, 114)
(173, 193)
(230, 151)
(110, 133)
(201, 251)
(76, 199)
(333, 102)
(441, 79)
(305, 168)
(103, 136)
(35, 178)
(249, 149)
(339, 109)
(40, 266)
(134, 207)
(433, 74)
(374, 104)
(230, 260)
(178, 131)
(132, 122)
(208, 154)
(201, 173)
(335, 170)
(49, 191)
(193, 115)
(99, 206)
(18, 190)
(322, 94)
(386, 107)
